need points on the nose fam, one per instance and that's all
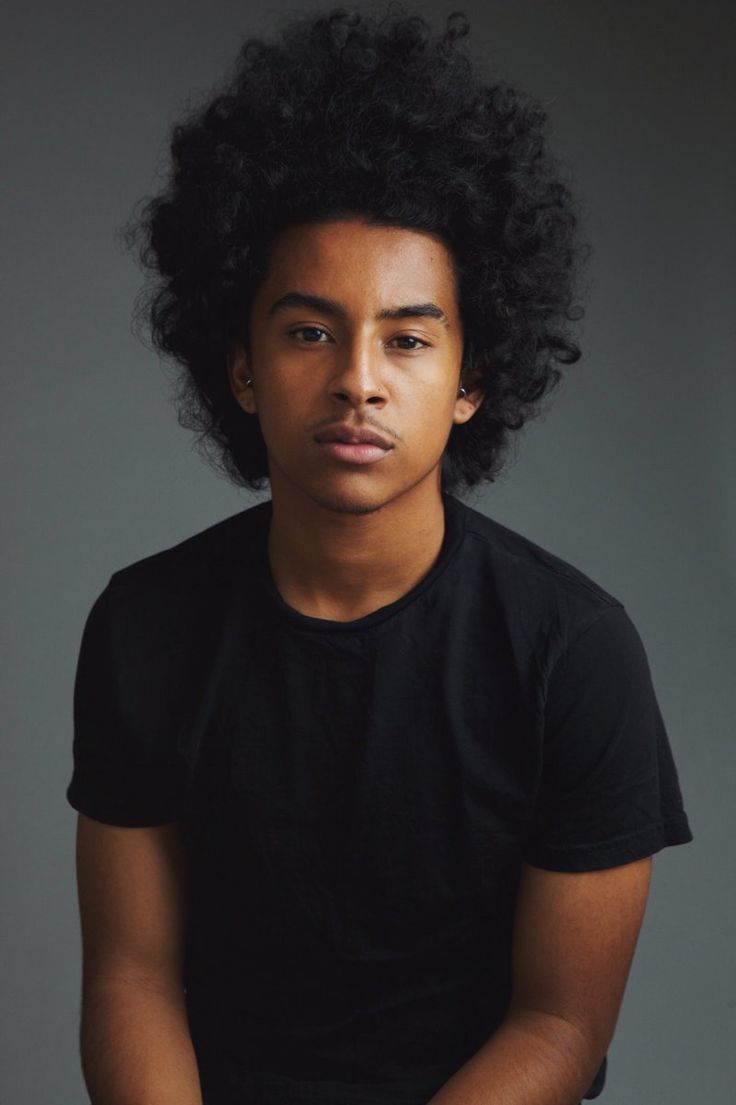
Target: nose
(358, 374)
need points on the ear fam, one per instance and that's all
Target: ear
(238, 372)
(467, 405)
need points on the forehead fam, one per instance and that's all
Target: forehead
(375, 262)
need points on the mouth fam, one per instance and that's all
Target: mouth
(361, 452)
(352, 434)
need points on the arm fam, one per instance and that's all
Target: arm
(574, 940)
(134, 1037)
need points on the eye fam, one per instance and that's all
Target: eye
(319, 330)
(410, 337)
(302, 329)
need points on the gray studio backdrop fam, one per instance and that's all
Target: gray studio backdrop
(630, 475)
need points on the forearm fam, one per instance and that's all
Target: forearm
(136, 1047)
(533, 1058)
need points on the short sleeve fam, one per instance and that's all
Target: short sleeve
(609, 791)
(125, 767)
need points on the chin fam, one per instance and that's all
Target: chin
(349, 500)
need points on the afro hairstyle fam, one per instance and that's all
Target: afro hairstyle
(346, 114)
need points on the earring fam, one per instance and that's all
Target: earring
(248, 382)
(464, 392)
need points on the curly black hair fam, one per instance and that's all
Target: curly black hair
(347, 114)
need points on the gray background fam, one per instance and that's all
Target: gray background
(629, 476)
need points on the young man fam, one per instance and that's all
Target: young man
(368, 784)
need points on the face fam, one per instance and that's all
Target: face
(314, 364)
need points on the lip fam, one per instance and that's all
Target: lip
(361, 452)
(351, 435)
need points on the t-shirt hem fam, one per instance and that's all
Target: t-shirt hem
(612, 853)
(107, 811)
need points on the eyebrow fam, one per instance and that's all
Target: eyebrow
(332, 307)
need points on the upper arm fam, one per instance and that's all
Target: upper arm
(132, 891)
(575, 934)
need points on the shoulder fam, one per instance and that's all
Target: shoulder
(198, 557)
(170, 604)
(542, 594)
(192, 572)
(150, 632)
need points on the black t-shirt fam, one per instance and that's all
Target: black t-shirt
(358, 797)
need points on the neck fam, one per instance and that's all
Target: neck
(340, 565)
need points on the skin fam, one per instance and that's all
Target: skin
(347, 539)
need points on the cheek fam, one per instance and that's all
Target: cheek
(285, 421)
(433, 415)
